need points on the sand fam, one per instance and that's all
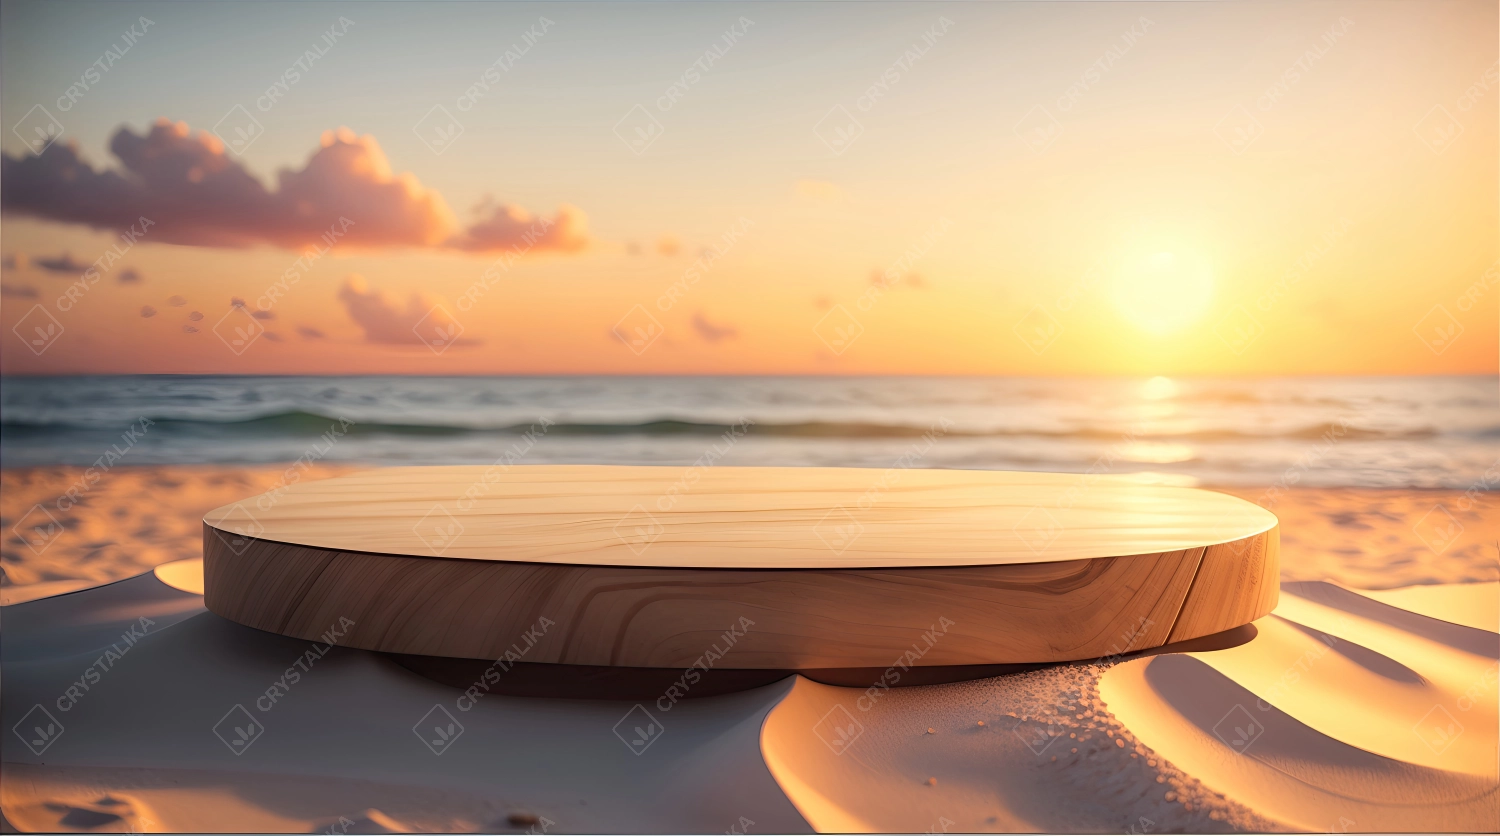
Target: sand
(1343, 711)
(133, 519)
(123, 524)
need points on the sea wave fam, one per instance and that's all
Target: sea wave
(302, 422)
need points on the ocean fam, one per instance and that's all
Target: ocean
(1417, 432)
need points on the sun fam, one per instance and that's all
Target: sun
(1164, 292)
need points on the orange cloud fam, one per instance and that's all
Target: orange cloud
(197, 195)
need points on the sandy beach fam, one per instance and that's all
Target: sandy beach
(1365, 702)
(134, 519)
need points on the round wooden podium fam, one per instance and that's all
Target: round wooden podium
(749, 568)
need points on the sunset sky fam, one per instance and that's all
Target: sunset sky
(830, 188)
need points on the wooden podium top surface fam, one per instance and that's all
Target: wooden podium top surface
(740, 517)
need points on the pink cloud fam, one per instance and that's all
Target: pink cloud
(384, 321)
(508, 227)
(197, 195)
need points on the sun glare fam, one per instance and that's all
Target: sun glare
(1159, 388)
(1164, 292)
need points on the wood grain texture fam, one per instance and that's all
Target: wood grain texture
(742, 517)
(909, 603)
(1236, 583)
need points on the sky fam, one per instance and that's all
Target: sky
(764, 188)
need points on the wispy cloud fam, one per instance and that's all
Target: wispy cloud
(711, 332)
(386, 322)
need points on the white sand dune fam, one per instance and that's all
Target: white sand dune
(340, 742)
(1334, 684)
(1343, 714)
